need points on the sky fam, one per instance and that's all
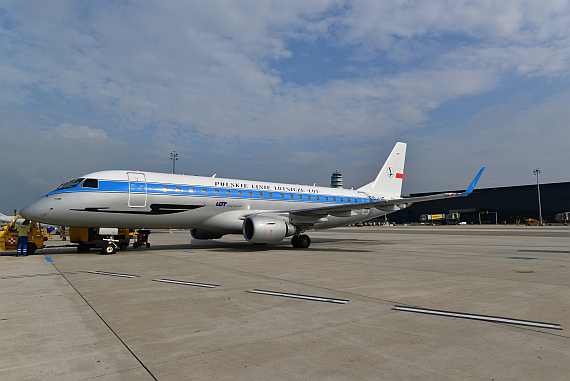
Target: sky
(284, 91)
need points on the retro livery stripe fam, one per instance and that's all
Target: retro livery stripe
(109, 186)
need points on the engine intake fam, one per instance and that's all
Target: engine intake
(264, 229)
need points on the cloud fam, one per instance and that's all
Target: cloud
(209, 79)
(67, 130)
(511, 142)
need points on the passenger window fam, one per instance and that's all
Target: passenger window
(308, 197)
(291, 196)
(318, 198)
(228, 192)
(334, 198)
(260, 194)
(282, 195)
(216, 191)
(164, 188)
(270, 195)
(178, 189)
(326, 198)
(90, 183)
(204, 190)
(191, 190)
(300, 197)
(341, 199)
(348, 200)
(250, 194)
(239, 193)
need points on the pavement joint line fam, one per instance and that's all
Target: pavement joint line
(494, 319)
(106, 324)
(186, 283)
(298, 296)
(34, 275)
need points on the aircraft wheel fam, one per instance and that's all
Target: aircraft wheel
(295, 241)
(304, 241)
(109, 249)
(147, 245)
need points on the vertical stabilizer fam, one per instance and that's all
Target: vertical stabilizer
(388, 183)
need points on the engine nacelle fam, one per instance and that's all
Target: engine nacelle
(264, 229)
(205, 234)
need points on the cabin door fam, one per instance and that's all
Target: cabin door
(137, 190)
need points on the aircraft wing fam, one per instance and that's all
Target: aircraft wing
(340, 210)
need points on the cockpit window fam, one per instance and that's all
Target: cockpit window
(70, 184)
(90, 183)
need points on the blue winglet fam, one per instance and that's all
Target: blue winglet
(473, 183)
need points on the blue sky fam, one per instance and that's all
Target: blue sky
(284, 91)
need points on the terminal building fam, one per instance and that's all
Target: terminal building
(490, 205)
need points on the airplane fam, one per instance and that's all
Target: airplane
(264, 212)
(6, 219)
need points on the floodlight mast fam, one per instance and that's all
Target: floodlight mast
(536, 172)
(173, 157)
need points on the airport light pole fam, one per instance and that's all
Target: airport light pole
(173, 157)
(536, 172)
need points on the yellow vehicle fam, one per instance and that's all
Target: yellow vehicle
(94, 238)
(9, 237)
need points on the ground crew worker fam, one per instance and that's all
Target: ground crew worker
(23, 231)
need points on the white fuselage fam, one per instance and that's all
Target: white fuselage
(128, 199)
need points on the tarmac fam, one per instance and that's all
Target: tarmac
(85, 316)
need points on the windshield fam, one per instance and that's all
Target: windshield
(70, 184)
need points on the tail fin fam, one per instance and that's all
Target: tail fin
(389, 179)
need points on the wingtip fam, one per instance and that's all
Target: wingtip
(474, 182)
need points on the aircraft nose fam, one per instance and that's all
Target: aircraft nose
(32, 211)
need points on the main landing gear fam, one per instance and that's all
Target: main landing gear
(302, 241)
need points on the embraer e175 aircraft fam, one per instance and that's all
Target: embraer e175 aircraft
(212, 207)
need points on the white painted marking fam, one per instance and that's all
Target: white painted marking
(480, 317)
(113, 274)
(296, 296)
(186, 283)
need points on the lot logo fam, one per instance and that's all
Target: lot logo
(221, 203)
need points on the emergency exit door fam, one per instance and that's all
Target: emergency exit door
(137, 190)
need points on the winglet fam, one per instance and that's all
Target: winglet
(473, 183)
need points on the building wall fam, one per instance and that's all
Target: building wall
(510, 203)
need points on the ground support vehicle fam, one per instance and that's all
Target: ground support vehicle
(432, 219)
(9, 237)
(452, 218)
(141, 238)
(563, 218)
(105, 239)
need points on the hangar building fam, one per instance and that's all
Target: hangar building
(509, 203)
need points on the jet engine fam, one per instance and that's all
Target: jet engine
(205, 234)
(264, 229)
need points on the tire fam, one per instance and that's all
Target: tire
(31, 248)
(108, 249)
(295, 241)
(304, 241)
(147, 245)
(123, 246)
